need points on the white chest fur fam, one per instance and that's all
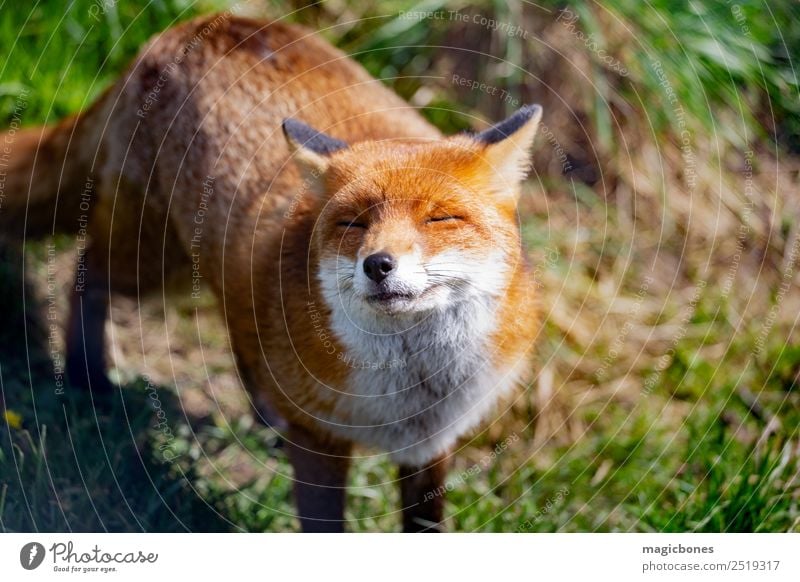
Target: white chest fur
(417, 385)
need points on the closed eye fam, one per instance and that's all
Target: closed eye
(351, 224)
(444, 218)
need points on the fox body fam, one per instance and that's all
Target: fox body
(369, 270)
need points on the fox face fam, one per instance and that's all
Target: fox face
(395, 249)
(404, 229)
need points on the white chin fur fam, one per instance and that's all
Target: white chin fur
(446, 383)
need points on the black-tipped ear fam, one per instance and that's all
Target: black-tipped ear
(300, 135)
(509, 126)
(508, 144)
(311, 149)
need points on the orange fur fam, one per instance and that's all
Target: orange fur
(192, 169)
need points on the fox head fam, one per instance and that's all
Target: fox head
(410, 227)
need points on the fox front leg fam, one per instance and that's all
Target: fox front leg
(422, 492)
(320, 478)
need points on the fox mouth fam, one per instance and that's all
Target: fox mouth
(389, 297)
(391, 301)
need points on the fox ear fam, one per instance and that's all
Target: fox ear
(309, 147)
(507, 145)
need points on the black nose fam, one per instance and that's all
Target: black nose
(378, 266)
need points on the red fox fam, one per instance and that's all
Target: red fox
(370, 271)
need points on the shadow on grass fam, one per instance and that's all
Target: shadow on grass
(73, 462)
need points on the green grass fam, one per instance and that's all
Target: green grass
(94, 466)
(713, 446)
(65, 53)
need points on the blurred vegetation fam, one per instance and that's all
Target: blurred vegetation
(65, 53)
(661, 218)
